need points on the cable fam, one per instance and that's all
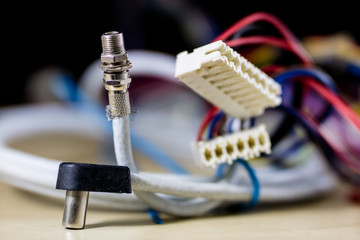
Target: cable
(284, 31)
(124, 158)
(255, 183)
(186, 189)
(290, 150)
(274, 41)
(190, 195)
(282, 78)
(253, 40)
(208, 117)
(327, 149)
(338, 104)
(76, 98)
(312, 73)
(148, 149)
(213, 123)
(155, 216)
(33, 171)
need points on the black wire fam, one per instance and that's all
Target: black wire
(288, 121)
(344, 172)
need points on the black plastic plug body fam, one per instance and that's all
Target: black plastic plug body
(78, 179)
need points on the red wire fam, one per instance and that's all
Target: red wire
(259, 40)
(354, 195)
(335, 101)
(272, 69)
(208, 117)
(216, 129)
(343, 155)
(284, 31)
(258, 16)
(265, 40)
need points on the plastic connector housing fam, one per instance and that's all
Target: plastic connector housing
(227, 80)
(246, 144)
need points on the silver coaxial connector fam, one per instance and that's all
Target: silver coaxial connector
(115, 64)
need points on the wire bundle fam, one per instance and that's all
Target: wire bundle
(293, 172)
(311, 99)
(217, 123)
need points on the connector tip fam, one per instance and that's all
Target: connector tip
(113, 43)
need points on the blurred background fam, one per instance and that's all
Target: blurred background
(66, 34)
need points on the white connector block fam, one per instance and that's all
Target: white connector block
(227, 80)
(246, 144)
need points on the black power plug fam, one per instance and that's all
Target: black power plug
(78, 179)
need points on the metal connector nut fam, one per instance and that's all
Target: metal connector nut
(115, 63)
(113, 58)
(114, 80)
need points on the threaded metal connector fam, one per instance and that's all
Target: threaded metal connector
(115, 63)
(112, 43)
(114, 57)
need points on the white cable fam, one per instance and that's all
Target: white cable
(214, 191)
(122, 145)
(123, 150)
(38, 174)
(44, 172)
(159, 191)
(183, 109)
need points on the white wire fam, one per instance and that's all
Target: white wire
(215, 191)
(178, 195)
(122, 145)
(38, 174)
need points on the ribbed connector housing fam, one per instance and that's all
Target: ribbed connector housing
(227, 80)
(246, 144)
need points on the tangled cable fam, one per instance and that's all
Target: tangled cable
(311, 97)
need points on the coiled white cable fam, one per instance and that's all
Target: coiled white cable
(37, 174)
(179, 207)
(174, 194)
(206, 195)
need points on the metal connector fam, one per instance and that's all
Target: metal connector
(75, 209)
(115, 64)
(78, 179)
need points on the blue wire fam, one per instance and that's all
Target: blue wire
(342, 170)
(155, 216)
(231, 122)
(66, 89)
(313, 73)
(214, 121)
(229, 128)
(158, 156)
(298, 144)
(220, 170)
(353, 69)
(255, 182)
(252, 122)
